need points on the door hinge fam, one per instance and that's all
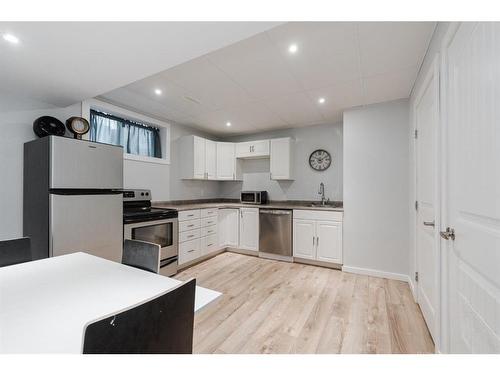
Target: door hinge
(416, 205)
(416, 277)
(416, 134)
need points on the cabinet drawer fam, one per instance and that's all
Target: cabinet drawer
(209, 212)
(209, 221)
(189, 215)
(189, 235)
(189, 251)
(189, 225)
(208, 244)
(317, 215)
(208, 231)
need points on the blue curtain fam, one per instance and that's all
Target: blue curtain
(139, 139)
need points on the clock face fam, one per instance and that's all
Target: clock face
(320, 160)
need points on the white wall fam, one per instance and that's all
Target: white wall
(376, 191)
(16, 128)
(306, 183)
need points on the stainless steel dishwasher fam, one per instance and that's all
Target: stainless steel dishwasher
(275, 239)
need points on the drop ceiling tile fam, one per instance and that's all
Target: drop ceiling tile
(206, 82)
(388, 46)
(173, 96)
(337, 97)
(216, 121)
(257, 66)
(391, 86)
(141, 104)
(327, 51)
(295, 109)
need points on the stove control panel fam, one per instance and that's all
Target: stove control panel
(136, 195)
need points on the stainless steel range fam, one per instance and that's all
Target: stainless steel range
(151, 224)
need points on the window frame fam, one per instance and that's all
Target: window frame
(164, 127)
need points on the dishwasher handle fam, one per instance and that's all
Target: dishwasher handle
(276, 212)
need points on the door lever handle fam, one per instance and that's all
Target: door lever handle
(449, 234)
(429, 223)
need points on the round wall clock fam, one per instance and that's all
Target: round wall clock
(320, 160)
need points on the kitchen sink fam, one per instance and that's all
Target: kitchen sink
(326, 205)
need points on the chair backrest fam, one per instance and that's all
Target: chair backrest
(15, 251)
(163, 325)
(141, 254)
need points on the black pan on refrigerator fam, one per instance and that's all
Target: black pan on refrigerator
(48, 125)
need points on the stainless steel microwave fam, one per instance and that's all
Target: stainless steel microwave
(253, 197)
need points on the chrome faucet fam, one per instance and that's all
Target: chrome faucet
(322, 193)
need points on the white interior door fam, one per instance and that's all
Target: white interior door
(427, 236)
(472, 199)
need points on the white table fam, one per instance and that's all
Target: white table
(45, 304)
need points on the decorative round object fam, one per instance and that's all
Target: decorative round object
(78, 126)
(48, 125)
(320, 160)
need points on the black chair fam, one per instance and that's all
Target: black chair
(141, 254)
(15, 251)
(163, 325)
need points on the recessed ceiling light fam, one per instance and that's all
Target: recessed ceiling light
(321, 100)
(228, 124)
(293, 48)
(11, 38)
(158, 91)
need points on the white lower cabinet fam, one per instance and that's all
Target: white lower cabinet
(197, 234)
(249, 229)
(329, 241)
(239, 228)
(304, 239)
(317, 235)
(228, 227)
(189, 250)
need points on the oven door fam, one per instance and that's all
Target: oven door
(161, 232)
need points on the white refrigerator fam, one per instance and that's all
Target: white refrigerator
(72, 197)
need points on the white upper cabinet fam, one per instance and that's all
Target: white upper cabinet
(281, 158)
(198, 156)
(203, 159)
(198, 159)
(226, 161)
(252, 149)
(249, 229)
(210, 159)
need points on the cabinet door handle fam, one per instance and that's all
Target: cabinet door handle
(190, 251)
(190, 225)
(317, 241)
(313, 240)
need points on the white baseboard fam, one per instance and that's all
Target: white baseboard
(376, 273)
(412, 288)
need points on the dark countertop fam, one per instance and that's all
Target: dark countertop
(227, 203)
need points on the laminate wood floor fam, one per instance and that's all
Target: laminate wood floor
(277, 307)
